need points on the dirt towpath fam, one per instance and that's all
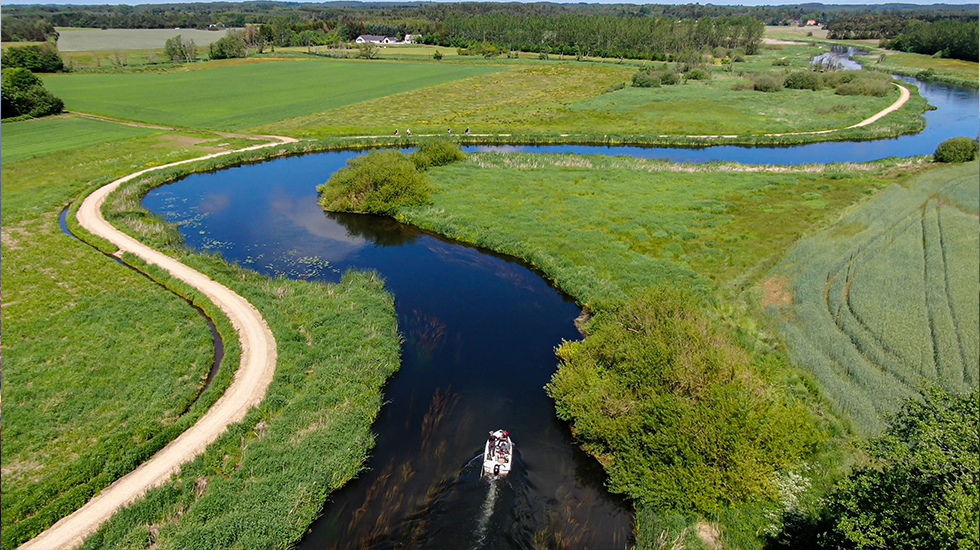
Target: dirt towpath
(258, 364)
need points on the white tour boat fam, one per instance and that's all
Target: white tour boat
(498, 454)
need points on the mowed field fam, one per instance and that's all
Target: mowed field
(235, 96)
(886, 299)
(80, 40)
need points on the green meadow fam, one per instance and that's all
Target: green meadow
(886, 299)
(235, 96)
(603, 227)
(29, 138)
(92, 384)
(595, 99)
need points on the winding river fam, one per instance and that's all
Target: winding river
(479, 334)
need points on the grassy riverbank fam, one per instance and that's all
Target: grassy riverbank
(603, 227)
(337, 345)
(607, 229)
(93, 383)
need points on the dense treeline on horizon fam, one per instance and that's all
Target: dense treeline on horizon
(602, 35)
(953, 37)
(37, 22)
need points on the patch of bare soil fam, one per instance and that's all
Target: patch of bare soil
(709, 533)
(776, 293)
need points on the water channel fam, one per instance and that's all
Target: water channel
(479, 334)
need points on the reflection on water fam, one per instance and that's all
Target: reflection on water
(479, 337)
(480, 331)
(839, 58)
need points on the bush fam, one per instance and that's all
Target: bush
(436, 152)
(920, 489)
(766, 82)
(957, 149)
(38, 59)
(380, 182)
(874, 88)
(615, 87)
(543, 56)
(804, 80)
(655, 371)
(668, 78)
(781, 62)
(645, 80)
(437, 55)
(698, 74)
(23, 94)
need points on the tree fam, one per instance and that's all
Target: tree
(921, 488)
(367, 50)
(24, 94)
(231, 45)
(180, 50)
(39, 59)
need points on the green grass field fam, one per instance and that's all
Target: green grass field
(576, 98)
(886, 299)
(102, 365)
(93, 382)
(53, 134)
(232, 97)
(603, 227)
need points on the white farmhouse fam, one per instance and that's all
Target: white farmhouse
(374, 39)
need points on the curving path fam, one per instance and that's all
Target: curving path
(258, 364)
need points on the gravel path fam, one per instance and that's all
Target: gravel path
(258, 364)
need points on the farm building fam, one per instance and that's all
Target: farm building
(375, 39)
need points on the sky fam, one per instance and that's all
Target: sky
(714, 2)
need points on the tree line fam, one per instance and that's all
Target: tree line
(20, 22)
(947, 38)
(600, 35)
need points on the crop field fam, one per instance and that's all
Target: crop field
(886, 299)
(234, 96)
(602, 227)
(81, 40)
(29, 138)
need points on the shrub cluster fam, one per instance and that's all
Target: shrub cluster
(38, 59)
(436, 152)
(697, 74)
(843, 82)
(957, 149)
(383, 182)
(672, 408)
(24, 95)
(654, 78)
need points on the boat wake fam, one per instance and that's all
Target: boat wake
(486, 511)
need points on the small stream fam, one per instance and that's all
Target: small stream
(480, 331)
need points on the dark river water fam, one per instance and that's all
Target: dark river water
(480, 331)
